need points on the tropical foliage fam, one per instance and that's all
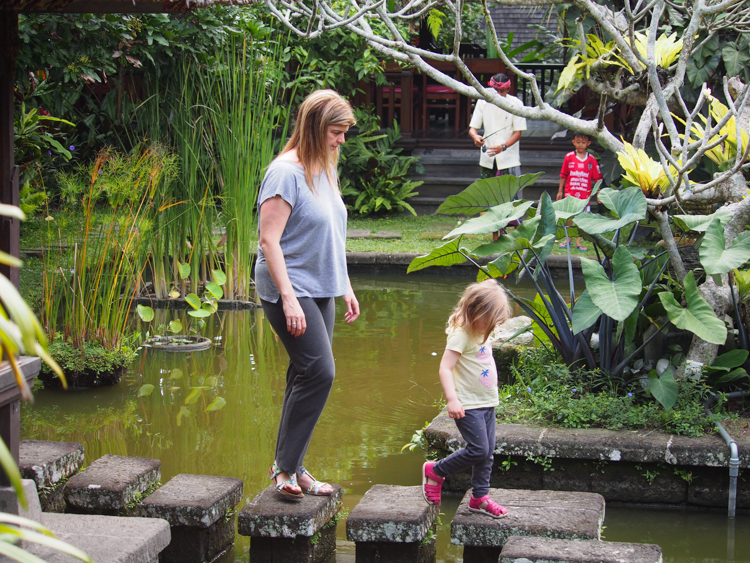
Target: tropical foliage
(628, 301)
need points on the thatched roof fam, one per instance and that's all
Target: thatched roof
(113, 6)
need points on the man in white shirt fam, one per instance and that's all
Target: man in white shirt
(502, 132)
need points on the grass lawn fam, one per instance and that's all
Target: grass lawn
(418, 234)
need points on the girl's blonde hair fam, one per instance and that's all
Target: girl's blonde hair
(484, 302)
(320, 110)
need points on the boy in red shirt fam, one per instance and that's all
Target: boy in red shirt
(579, 172)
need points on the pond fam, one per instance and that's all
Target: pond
(386, 387)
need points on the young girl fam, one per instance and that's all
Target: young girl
(469, 378)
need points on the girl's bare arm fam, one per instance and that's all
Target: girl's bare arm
(447, 363)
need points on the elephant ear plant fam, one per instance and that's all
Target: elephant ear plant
(627, 301)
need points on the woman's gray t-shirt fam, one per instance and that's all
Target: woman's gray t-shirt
(314, 239)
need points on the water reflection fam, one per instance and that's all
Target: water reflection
(386, 387)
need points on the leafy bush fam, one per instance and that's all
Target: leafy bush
(374, 175)
(91, 365)
(547, 392)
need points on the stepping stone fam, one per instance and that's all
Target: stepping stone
(111, 483)
(290, 531)
(393, 524)
(199, 509)
(358, 233)
(552, 514)
(386, 235)
(106, 539)
(49, 465)
(578, 551)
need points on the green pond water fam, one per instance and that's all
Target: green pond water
(386, 387)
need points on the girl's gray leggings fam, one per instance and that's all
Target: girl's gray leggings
(478, 429)
(309, 377)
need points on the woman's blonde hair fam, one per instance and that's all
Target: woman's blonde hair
(320, 110)
(485, 302)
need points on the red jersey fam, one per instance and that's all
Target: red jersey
(579, 175)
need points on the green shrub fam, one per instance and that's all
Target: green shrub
(547, 392)
(92, 365)
(374, 176)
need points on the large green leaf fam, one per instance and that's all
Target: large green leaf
(734, 59)
(496, 218)
(215, 290)
(699, 318)
(193, 300)
(664, 388)
(617, 298)
(699, 223)
(502, 266)
(569, 206)
(628, 206)
(730, 360)
(145, 312)
(585, 313)
(504, 243)
(547, 226)
(445, 255)
(715, 258)
(483, 194)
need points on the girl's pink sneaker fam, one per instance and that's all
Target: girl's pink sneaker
(431, 493)
(491, 508)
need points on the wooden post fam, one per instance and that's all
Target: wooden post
(10, 229)
(407, 102)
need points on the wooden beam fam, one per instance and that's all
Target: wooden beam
(98, 6)
(10, 229)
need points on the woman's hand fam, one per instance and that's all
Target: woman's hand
(352, 307)
(295, 317)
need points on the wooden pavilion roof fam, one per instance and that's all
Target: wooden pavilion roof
(112, 6)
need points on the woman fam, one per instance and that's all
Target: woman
(301, 267)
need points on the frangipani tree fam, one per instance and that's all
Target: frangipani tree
(629, 51)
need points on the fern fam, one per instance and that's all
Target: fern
(435, 22)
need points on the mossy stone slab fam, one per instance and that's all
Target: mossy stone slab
(554, 514)
(270, 515)
(391, 514)
(578, 551)
(110, 483)
(193, 500)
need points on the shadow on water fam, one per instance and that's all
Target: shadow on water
(386, 387)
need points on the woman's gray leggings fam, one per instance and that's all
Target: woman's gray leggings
(309, 377)
(478, 429)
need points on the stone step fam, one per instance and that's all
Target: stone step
(111, 483)
(553, 514)
(49, 465)
(393, 523)
(106, 539)
(291, 531)
(578, 551)
(199, 509)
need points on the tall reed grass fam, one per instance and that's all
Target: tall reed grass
(220, 116)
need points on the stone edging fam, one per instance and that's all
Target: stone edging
(596, 444)
(404, 258)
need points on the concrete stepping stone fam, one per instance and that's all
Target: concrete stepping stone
(49, 465)
(386, 235)
(290, 531)
(578, 551)
(394, 524)
(358, 233)
(107, 539)
(111, 483)
(552, 514)
(199, 509)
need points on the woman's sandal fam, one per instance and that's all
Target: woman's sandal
(314, 489)
(283, 488)
(431, 493)
(492, 509)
